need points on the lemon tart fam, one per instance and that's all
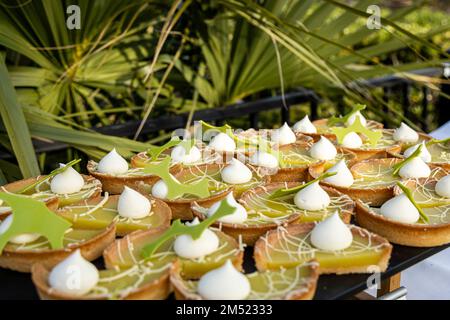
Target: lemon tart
(403, 223)
(296, 283)
(91, 242)
(100, 212)
(290, 246)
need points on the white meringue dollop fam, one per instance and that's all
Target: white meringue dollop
(160, 189)
(179, 154)
(415, 168)
(66, 182)
(312, 197)
(424, 153)
(113, 164)
(343, 176)
(352, 140)
(305, 126)
(238, 216)
(352, 119)
(442, 187)
(133, 205)
(283, 135)
(331, 234)
(222, 143)
(323, 149)
(400, 209)
(188, 248)
(236, 172)
(74, 275)
(21, 238)
(405, 134)
(224, 283)
(264, 159)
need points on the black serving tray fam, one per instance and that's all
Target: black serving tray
(15, 285)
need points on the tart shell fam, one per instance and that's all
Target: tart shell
(23, 260)
(272, 236)
(182, 294)
(413, 235)
(156, 290)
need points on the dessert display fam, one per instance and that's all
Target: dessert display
(266, 207)
(337, 247)
(63, 186)
(130, 211)
(114, 173)
(329, 196)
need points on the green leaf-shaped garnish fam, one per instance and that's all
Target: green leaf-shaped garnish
(33, 216)
(175, 188)
(435, 141)
(372, 135)
(228, 130)
(195, 231)
(284, 192)
(50, 175)
(408, 193)
(155, 151)
(343, 119)
(396, 168)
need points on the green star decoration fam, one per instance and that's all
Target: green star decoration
(33, 216)
(284, 192)
(155, 151)
(178, 228)
(343, 119)
(372, 135)
(175, 188)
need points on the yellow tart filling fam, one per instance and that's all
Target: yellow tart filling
(101, 212)
(289, 250)
(261, 208)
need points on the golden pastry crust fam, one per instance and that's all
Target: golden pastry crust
(156, 290)
(304, 293)
(414, 235)
(273, 236)
(366, 154)
(23, 260)
(115, 184)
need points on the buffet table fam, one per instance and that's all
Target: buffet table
(15, 285)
